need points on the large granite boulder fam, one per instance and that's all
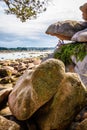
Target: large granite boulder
(6, 124)
(83, 8)
(80, 36)
(63, 107)
(49, 95)
(36, 88)
(66, 29)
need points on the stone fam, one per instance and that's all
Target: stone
(61, 110)
(79, 119)
(4, 94)
(31, 65)
(36, 88)
(82, 125)
(65, 29)
(80, 36)
(83, 8)
(48, 95)
(5, 111)
(37, 61)
(7, 80)
(8, 125)
(21, 67)
(5, 72)
(81, 68)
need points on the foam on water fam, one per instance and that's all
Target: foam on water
(18, 55)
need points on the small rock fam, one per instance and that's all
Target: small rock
(4, 94)
(8, 125)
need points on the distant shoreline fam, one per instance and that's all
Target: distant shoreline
(24, 49)
(8, 54)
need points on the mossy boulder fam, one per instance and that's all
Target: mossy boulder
(36, 88)
(74, 55)
(49, 95)
(66, 51)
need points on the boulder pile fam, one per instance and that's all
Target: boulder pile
(76, 33)
(69, 29)
(10, 70)
(46, 98)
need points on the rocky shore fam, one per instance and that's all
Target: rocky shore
(48, 95)
(11, 70)
(39, 93)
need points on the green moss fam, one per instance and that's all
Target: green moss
(64, 53)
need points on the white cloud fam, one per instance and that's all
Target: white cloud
(33, 29)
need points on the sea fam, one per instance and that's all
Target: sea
(24, 54)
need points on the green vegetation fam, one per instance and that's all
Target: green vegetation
(25, 9)
(64, 53)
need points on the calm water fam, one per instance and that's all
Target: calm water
(18, 55)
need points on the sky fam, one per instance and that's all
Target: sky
(14, 33)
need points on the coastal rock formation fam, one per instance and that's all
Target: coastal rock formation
(74, 56)
(65, 29)
(8, 125)
(50, 95)
(83, 8)
(80, 36)
(81, 68)
(64, 105)
(10, 70)
(36, 88)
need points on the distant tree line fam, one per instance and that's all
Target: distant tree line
(26, 49)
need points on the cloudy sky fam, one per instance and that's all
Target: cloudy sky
(14, 33)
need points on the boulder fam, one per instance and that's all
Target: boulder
(61, 110)
(5, 72)
(36, 88)
(8, 125)
(83, 8)
(80, 36)
(81, 68)
(66, 29)
(49, 95)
